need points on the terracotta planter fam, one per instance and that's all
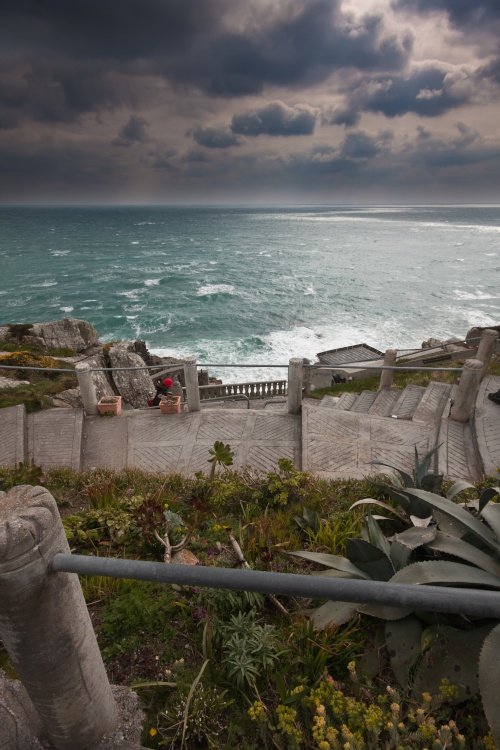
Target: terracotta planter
(110, 406)
(171, 405)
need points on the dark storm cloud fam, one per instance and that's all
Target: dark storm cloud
(67, 59)
(134, 131)
(214, 137)
(462, 13)
(428, 91)
(275, 119)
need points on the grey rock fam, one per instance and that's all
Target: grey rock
(101, 380)
(70, 333)
(68, 399)
(11, 383)
(127, 735)
(134, 385)
(20, 724)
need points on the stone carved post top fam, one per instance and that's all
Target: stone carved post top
(489, 333)
(28, 515)
(82, 366)
(473, 364)
(296, 361)
(189, 360)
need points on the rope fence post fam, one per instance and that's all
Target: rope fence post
(192, 387)
(45, 625)
(87, 388)
(485, 349)
(387, 376)
(463, 405)
(295, 385)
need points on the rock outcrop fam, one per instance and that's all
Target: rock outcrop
(135, 386)
(68, 333)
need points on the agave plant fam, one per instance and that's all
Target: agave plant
(433, 540)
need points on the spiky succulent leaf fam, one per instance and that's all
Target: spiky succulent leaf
(402, 639)
(450, 545)
(403, 544)
(376, 536)
(458, 487)
(332, 561)
(489, 681)
(491, 514)
(332, 613)
(453, 655)
(423, 466)
(385, 506)
(383, 612)
(463, 517)
(421, 522)
(432, 482)
(406, 478)
(369, 559)
(486, 495)
(445, 572)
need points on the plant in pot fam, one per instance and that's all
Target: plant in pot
(110, 406)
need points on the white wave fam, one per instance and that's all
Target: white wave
(491, 255)
(59, 253)
(132, 294)
(134, 242)
(152, 282)
(44, 284)
(67, 309)
(2, 292)
(310, 290)
(209, 289)
(460, 294)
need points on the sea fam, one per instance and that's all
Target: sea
(254, 285)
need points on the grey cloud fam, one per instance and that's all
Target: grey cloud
(214, 137)
(134, 131)
(428, 91)
(462, 13)
(359, 146)
(275, 119)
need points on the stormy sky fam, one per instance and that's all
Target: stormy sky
(250, 101)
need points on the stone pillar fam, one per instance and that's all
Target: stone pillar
(465, 398)
(87, 388)
(295, 385)
(387, 376)
(306, 377)
(45, 625)
(192, 388)
(486, 347)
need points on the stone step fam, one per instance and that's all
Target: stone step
(433, 403)
(364, 401)
(55, 438)
(13, 436)
(329, 402)
(346, 401)
(384, 402)
(457, 454)
(487, 427)
(405, 406)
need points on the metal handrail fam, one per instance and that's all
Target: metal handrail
(463, 601)
(234, 396)
(351, 366)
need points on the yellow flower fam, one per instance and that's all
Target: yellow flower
(153, 732)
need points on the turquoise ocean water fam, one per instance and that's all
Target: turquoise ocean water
(254, 285)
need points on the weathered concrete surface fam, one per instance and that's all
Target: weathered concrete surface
(45, 626)
(12, 436)
(487, 426)
(156, 442)
(54, 438)
(341, 444)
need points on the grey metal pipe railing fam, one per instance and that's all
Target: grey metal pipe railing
(472, 602)
(350, 366)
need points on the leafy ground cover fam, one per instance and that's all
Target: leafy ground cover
(224, 669)
(41, 385)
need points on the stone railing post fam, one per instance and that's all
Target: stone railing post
(294, 385)
(485, 349)
(192, 388)
(465, 398)
(387, 376)
(306, 377)
(87, 388)
(45, 625)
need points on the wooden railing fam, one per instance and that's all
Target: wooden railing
(257, 389)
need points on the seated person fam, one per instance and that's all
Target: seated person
(162, 389)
